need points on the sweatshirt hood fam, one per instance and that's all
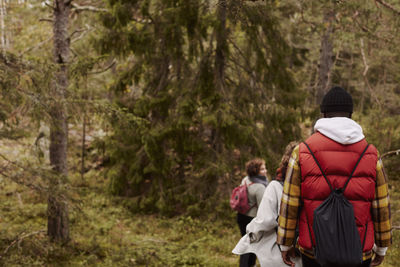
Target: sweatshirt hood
(340, 129)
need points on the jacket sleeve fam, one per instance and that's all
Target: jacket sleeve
(267, 213)
(381, 215)
(290, 203)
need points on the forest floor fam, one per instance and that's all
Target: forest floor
(105, 233)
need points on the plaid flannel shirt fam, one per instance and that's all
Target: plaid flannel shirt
(291, 202)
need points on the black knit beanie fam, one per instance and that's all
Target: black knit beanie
(337, 100)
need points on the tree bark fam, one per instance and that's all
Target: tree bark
(325, 65)
(83, 144)
(222, 47)
(220, 61)
(3, 36)
(58, 223)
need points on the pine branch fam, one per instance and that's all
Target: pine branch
(389, 6)
(21, 178)
(367, 30)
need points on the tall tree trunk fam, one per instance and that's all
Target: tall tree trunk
(219, 80)
(220, 53)
(325, 64)
(222, 46)
(58, 224)
(3, 36)
(83, 144)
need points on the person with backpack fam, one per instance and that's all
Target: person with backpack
(254, 184)
(336, 192)
(260, 237)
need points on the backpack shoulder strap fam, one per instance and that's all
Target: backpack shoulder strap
(319, 166)
(355, 167)
(351, 175)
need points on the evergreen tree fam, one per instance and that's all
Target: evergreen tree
(203, 88)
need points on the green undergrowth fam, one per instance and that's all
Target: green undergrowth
(104, 232)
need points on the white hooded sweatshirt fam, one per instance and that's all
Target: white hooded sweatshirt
(340, 129)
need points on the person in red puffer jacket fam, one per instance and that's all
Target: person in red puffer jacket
(337, 144)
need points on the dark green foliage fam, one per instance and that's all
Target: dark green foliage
(196, 133)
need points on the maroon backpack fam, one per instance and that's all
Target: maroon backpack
(239, 200)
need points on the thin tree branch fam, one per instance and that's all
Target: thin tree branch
(105, 69)
(16, 178)
(48, 20)
(35, 47)
(88, 8)
(391, 153)
(19, 181)
(19, 239)
(83, 34)
(365, 72)
(47, 4)
(389, 6)
(75, 32)
(366, 67)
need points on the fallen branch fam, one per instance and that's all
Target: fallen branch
(396, 227)
(390, 153)
(389, 6)
(19, 239)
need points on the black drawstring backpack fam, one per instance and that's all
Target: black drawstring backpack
(337, 242)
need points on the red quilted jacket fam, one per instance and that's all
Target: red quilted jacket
(337, 161)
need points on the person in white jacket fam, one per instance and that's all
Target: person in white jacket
(256, 181)
(260, 237)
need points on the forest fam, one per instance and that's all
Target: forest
(125, 124)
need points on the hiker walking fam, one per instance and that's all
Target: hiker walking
(256, 181)
(260, 238)
(335, 173)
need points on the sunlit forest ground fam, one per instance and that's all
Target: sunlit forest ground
(104, 232)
